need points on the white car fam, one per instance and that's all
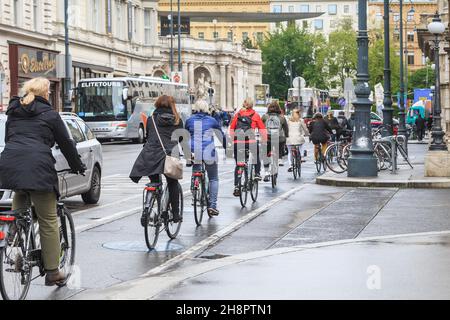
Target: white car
(90, 150)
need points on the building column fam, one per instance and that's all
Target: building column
(230, 102)
(223, 87)
(191, 75)
(185, 72)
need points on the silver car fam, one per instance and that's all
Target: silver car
(90, 150)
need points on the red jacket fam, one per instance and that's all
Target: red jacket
(256, 124)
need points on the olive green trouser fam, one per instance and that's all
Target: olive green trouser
(45, 206)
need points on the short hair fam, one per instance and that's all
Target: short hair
(201, 106)
(318, 115)
(274, 107)
(341, 113)
(248, 102)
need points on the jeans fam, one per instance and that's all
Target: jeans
(213, 177)
(174, 192)
(239, 156)
(45, 206)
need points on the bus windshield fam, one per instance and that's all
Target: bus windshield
(101, 101)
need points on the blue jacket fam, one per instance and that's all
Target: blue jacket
(202, 128)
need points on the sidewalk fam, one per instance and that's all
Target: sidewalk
(405, 177)
(413, 266)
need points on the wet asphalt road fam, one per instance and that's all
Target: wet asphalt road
(110, 240)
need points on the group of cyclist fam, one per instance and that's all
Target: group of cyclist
(33, 127)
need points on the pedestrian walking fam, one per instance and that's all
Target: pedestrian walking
(27, 165)
(420, 127)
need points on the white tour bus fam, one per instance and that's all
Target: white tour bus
(118, 108)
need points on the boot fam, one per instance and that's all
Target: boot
(54, 277)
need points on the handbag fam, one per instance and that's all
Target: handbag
(173, 168)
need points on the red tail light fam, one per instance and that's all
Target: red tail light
(7, 218)
(197, 174)
(241, 164)
(2, 235)
(150, 188)
(239, 171)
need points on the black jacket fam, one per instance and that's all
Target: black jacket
(320, 131)
(420, 123)
(152, 157)
(27, 162)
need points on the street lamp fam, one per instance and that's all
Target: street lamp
(387, 102)
(437, 28)
(362, 162)
(401, 105)
(68, 62)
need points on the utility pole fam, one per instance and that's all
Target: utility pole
(179, 38)
(387, 102)
(68, 64)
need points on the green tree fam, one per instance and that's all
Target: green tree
(248, 44)
(421, 78)
(342, 53)
(292, 43)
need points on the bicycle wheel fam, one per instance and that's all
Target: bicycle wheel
(253, 184)
(332, 159)
(299, 165)
(294, 165)
(243, 183)
(67, 240)
(274, 172)
(152, 213)
(198, 202)
(318, 161)
(15, 270)
(173, 228)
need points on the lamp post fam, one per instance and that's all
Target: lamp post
(437, 28)
(68, 63)
(179, 38)
(362, 162)
(171, 36)
(401, 105)
(387, 102)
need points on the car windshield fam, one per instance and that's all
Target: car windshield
(101, 101)
(2, 133)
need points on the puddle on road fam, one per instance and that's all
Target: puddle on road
(139, 246)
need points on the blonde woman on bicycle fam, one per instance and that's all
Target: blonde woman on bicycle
(297, 133)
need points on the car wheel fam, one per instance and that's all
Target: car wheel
(93, 195)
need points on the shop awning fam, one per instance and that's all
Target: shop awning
(92, 67)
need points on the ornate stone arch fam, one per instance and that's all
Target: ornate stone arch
(159, 73)
(202, 69)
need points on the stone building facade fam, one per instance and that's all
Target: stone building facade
(110, 38)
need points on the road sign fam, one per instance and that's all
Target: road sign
(298, 81)
(176, 77)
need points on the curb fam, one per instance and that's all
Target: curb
(357, 182)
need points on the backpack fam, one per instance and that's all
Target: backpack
(273, 126)
(244, 122)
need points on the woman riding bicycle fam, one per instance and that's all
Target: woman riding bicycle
(320, 133)
(277, 128)
(27, 165)
(242, 131)
(297, 133)
(150, 161)
(202, 128)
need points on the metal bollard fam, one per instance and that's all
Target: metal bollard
(393, 154)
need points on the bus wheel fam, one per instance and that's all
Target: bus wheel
(141, 135)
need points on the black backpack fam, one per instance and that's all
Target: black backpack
(244, 122)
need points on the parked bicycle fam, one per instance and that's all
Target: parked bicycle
(246, 180)
(157, 213)
(337, 154)
(20, 249)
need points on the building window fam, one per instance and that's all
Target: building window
(410, 17)
(277, 9)
(318, 24)
(147, 26)
(230, 36)
(17, 12)
(135, 22)
(304, 8)
(411, 36)
(291, 8)
(305, 24)
(346, 8)
(215, 35)
(332, 9)
(96, 16)
(396, 17)
(36, 15)
(201, 35)
(259, 36)
(396, 37)
(411, 59)
(244, 35)
(119, 14)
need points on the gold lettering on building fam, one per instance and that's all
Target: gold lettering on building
(33, 65)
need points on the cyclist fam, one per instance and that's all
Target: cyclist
(150, 161)
(297, 133)
(202, 127)
(343, 126)
(27, 165)
(333, 123)
(277, 128)
(320, 133)
(242, 131)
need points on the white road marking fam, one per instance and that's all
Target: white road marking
(212, 239)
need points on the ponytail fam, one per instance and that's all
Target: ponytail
(34, 87)
(28, 98)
